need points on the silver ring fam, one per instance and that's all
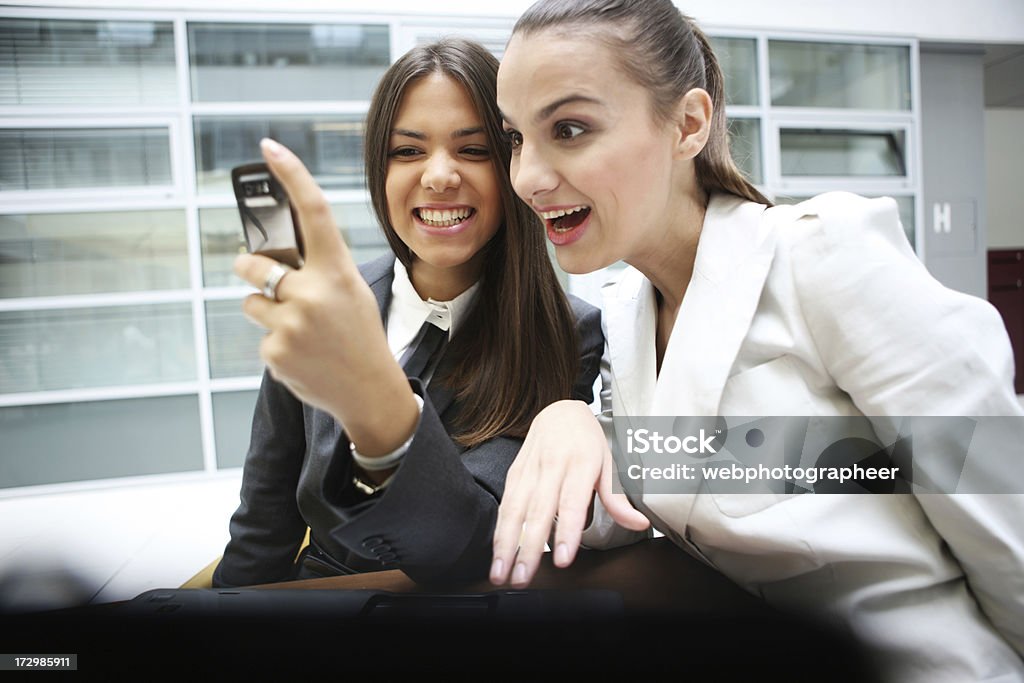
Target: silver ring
(274, 277)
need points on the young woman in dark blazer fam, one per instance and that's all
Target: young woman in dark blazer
(388, 470)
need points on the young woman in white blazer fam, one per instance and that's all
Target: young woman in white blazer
(615, 112)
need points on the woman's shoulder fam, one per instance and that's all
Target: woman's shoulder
(588, 321)
(581, 310)
(378, 269)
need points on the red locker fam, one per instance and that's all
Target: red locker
(1006, 293)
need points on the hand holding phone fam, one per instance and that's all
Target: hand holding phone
(325, 339)
(269, 222)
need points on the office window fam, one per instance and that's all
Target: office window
(330, 146)
(286, 62)
(745, 147)
(69, 348)
(843, 152)
(738, 59)
(232, 421)
(362, 234)
(52, 254)
(234, 340)
(839, 75)
(57, 61)
(51, 159)
(46, 444)
(222, 239)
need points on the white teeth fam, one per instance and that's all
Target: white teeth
(558, 213)
(443, 218)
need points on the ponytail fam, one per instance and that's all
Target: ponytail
(716, 170)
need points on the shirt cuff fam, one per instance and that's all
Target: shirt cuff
(388, 460)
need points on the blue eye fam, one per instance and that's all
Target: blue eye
(567, 130)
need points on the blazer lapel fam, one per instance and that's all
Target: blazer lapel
(440, 396)
(733, 258)
(380, 275)
(630, 312)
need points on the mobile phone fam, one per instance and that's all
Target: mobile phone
(269, 222)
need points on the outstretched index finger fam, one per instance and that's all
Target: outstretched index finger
(320, 235)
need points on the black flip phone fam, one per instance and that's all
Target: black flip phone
(269, 222)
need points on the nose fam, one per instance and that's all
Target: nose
(531, 174)
(440, 174)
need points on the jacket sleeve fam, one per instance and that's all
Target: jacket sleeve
(911, 347)
(267, 528)
(436, 517)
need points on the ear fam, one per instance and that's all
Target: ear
(693, 123)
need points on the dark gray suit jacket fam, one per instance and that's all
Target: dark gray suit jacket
(436, 517)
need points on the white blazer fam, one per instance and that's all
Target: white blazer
(823, 309)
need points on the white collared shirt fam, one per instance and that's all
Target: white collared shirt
(407, 311)
(406, 314)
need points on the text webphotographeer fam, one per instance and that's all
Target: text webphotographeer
(735, 472)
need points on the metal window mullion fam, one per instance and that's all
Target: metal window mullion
(99, 300)
(264, 108)
(59, 113)
(84, 202)
(830, 117)
(226, 384)
(88, 199)
(771, 155)
(224, 200)
(917, 157)
(75, 119)
(186, 161)
(93, 394)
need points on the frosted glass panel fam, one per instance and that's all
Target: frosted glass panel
(745, 146)
(49, 159)
(738, 59)
(99, 440)
(94, 347)
(839, 75)
(232, 422)
(330, 147)
(286, 62)
(233, 339)
(48, 61)
(51, 254)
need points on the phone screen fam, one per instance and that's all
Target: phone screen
(268, 221)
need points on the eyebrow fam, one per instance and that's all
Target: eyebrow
(456, 134)
(550, 109)
(466, 132)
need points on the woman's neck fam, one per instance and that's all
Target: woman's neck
(444, 283)
(669, 257)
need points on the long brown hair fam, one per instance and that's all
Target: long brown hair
(666, 52)
(517, 350)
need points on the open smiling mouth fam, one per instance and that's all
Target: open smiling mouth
(443, 218)
(564, 220)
